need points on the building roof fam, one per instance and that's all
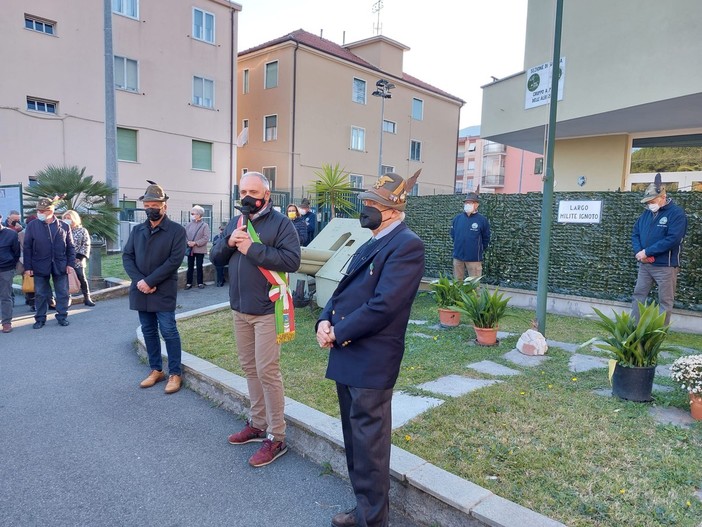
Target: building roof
(305, 38)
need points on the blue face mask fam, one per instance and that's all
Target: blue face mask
(41, 217)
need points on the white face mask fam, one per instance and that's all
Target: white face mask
(192, 216)
(41, 217)
(653, 207)
(468, 208)
(304, 211)
(68, 220)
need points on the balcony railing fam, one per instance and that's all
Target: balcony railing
(494, 148)
(493, 181)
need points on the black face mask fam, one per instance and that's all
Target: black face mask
(370, 218)
(153, 214)
(254, 204)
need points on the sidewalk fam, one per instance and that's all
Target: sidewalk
(83, 445)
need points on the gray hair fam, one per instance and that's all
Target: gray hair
(260, 176)
(197, 209)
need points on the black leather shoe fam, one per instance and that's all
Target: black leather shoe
(62, 322)
(201, 286)
(345, 519)
(89, 302)
(39, 324)
(188, 286)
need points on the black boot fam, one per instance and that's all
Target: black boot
(86, 296)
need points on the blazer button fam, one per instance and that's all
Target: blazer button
(333, 312)
(342, 318)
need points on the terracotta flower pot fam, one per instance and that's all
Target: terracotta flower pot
(696, 406)
(486, 336)
(449, 318)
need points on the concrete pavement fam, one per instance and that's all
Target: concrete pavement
(82, 444)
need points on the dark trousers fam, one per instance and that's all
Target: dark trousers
(80, 273)
(366, 420)
(220, 274)
(165, 321)
(42, 296)
(194, 260)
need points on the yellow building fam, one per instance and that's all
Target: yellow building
(175, 106)
(630, 78)
(307, 101)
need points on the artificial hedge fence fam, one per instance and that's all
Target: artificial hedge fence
(590, 260)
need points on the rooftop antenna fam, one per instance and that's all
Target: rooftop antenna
(378, 27)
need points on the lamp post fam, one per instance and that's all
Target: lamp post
(383, 88)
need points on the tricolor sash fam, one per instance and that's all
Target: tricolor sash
(279, 294)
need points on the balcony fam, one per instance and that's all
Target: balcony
(493, 178)
(494, 148)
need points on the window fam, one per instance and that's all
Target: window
(128, 8)
(417, 109)
(271, 76)
(41, 105)
(202, 155)
(203, 25)
(203, 92)
(356, 181)
(359, 91)
(245, 81)
(471, 147)
(358, 139)
(269, 172)
(270, 126)
(126, 74)
(36, 24)
(539, 165)
(384, 169)
(389, 127)
(415, 151)
(126, 145)
(471, 165)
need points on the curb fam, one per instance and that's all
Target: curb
(418, 489)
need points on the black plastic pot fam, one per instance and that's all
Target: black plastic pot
(633, 383)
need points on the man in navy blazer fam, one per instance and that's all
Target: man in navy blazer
(364, 325)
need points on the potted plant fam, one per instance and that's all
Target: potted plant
(447, 293)
(688, 372)
(635, 346)
(485, 309)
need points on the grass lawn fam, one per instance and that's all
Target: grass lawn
(541, 439)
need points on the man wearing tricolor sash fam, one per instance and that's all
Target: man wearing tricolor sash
(260, 247)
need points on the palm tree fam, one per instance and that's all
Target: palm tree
(332, 188)
(91, 199)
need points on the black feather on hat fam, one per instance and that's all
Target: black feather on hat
(654, 190)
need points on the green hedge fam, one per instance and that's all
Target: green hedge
(591, 260)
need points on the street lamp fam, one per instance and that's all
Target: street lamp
(383, 88)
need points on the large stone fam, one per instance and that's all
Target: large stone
(532, 343)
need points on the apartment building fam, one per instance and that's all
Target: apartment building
(305, 101)
(494, 167)
(175, 106)
(629, 79)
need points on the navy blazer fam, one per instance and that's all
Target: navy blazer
(370, 310)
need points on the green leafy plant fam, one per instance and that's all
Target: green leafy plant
(634, 343)
(332, 188)
(485, 309)
(447, 291)
(89, 198)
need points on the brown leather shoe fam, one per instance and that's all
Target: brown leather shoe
(345, 519)
(6, 328)
(174, 383)
(154, 377)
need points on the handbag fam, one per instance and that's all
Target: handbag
(27, 284)
(73, 282)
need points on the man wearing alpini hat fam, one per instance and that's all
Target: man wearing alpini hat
(364, 325)
(470, 232)
(657, 242)
(151, 257)
(48, 253)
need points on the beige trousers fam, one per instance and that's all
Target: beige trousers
(259, 357)
(460, 267)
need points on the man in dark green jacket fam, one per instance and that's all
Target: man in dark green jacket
(151, 257)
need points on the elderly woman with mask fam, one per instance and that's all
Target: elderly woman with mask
(81, 241)
(197, 234)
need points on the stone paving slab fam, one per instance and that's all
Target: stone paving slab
(418, 322)
(421, 335)
(567, 346)
(671, 416)
(687, 351)
(607, 392)
(518, 358)
(406, 407)
(504, 334)
(454, 386)
(663, 370)
(492, 368)
(580, 363)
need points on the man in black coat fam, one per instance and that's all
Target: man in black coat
(151, 257)
(364, 325)
(48, 253)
